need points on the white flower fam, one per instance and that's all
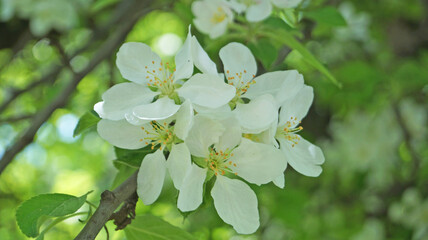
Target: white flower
(223, 152)
(153, 79)
(266, 92)
(155, 133)
(212, 17)
(258, 10)
(302, 155)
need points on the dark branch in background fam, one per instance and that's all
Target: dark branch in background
(110, 201)
(16, 118)
(408, 141)
(49, 78)
(104, 51)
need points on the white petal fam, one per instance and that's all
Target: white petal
(178, 163)
(132, 119)
(236, 204)
(201, 59)
(151, 176)
(132, 60)
(257, 115)
(286, 3)
(259, 11)
(121, 134)
(257, 163)
(191, 191)
(304, 157)
(122, 98)
(207, 90)
(281, 84)
(161, 109)
(184, 120)
(237, 6)
(219, 113)
(203, 134)
(238, 59)
(279, 181)
(218, 29)
(232, 134)
(297, 107)
(183, 60)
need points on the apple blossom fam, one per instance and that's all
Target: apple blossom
(212, 17)
(223, 152)
(153, 79)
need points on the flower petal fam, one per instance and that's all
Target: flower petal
(121, 134)
(239, 63)
(257, 115)
(151, 176)
(201, 59)
(257, 163)
(191, 191)
(161, 109)
(297, 107)
(279, 181)
(121, 98)
(132, 60)
(231, 136)
(184, 120)
(281, 85)
(203, 134)
(183, 59)
(304, 157)
(259, 11)
(207, 90)
(236, 204)
(178, 163)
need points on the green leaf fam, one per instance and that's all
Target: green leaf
(52, 205)
(87, 121)
(285, 37)
(327, 15)
(264, 51)
(132, 158)
(154, 228)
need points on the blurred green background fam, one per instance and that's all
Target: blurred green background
(373, 130)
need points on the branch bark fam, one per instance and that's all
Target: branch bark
(110, 201)
(109, 46)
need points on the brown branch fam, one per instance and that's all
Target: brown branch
(109, 46)
(16, 118)
(110, 201)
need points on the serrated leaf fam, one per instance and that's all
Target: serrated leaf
(264, 51)
(154, 228)
(327, 15)
(87, 121)
(52, 205)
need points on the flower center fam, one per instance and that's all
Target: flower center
(289, 129)
(161, 79)
(159, 134)
(219, 163)
(218, 16)
(239, 83)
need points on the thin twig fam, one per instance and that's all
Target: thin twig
(109, 202)
(104, 51)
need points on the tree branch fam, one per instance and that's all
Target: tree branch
(110, 201)
(109, 46)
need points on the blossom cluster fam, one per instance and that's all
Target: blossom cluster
(213, 16)
(232, 128)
